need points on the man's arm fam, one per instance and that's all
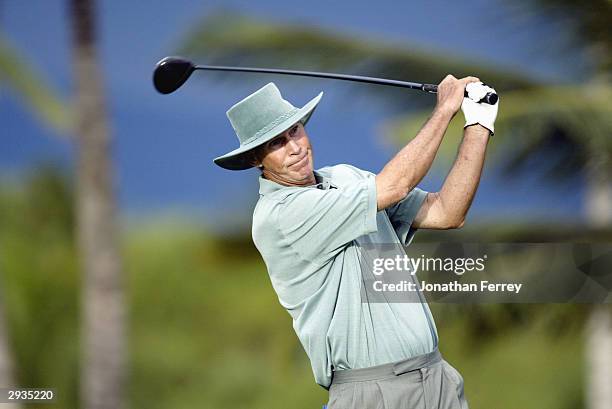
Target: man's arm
(412, 163)
(447, 208)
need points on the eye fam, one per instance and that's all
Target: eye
(294, 130)
(276, 142)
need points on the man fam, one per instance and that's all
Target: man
(309, 225)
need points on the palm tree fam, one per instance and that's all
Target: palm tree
(578, 119)
(103, 365)
(534, 118)
(104, 316)
(591, 29)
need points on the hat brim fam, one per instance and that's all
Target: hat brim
(238, 158)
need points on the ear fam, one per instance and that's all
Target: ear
(254, 159)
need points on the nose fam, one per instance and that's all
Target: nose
(293, 146)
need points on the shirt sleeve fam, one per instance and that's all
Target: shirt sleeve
(403, 213)
(318, 223)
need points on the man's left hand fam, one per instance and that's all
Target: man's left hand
(479, 113)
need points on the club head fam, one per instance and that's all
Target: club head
(170, 73)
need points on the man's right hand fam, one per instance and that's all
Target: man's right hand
(450, 93)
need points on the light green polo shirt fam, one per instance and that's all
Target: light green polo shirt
(309, 238)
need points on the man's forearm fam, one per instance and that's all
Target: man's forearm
(402, 173)
(462, 181)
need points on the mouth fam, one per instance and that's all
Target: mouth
(301, 161)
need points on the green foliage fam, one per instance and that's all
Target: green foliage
(525, 367)
(206, 328)
(38, 271)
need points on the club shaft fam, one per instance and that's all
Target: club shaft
(489, 98)
(357, 78)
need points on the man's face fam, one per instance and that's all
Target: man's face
(287, 159)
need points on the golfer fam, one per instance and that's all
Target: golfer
(309, 224)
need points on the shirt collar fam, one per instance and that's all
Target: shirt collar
(267, 186)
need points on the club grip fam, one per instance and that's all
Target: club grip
(490, 98)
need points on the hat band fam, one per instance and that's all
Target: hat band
(271, 125)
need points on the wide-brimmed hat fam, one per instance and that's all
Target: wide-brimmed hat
(258, 118)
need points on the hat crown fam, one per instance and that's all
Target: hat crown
(259, 112)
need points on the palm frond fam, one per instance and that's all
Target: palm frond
(228, 38)
(553, 125)
(589, 27)
(16, 74)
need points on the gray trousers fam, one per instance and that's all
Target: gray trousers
(422, 382)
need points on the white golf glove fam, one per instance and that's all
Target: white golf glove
(479, 113)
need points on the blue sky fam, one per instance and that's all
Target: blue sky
(164, 145)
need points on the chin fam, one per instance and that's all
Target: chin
(306, 171)
(301, 176)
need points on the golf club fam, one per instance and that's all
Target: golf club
(172, 72)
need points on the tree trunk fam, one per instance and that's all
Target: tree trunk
(599, 358)
(598, 194)
(103, 332)
(599, 326)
